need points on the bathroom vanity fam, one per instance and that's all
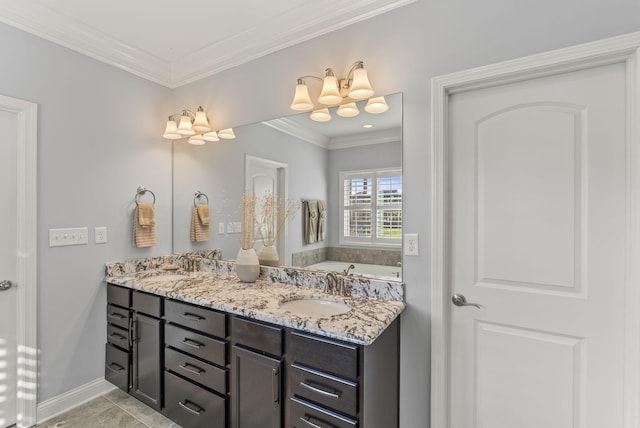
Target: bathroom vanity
(207, 350)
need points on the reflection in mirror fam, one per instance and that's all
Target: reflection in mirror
(352, 170)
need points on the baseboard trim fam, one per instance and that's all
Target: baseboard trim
(73, 398)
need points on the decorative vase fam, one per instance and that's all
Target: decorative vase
(269, 256)
(247, 265)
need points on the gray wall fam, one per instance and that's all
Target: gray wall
(403, 50)
(88, 171)
(98, 139)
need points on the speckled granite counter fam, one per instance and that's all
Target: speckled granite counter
(261, 300)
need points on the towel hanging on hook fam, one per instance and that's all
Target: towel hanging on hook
(141, 191)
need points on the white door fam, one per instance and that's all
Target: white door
(267, 177)
(8, 264)
(538, 197)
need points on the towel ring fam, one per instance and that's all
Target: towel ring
(198, 195)
(141, 191)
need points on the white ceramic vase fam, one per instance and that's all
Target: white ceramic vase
(269, 256)
(247, 265)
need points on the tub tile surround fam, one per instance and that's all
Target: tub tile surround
(375, 303)
(374, 256)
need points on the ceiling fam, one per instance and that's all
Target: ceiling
(174, 43)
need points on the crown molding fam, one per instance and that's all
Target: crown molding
(366, 138)
(273, 35)
(289, 127)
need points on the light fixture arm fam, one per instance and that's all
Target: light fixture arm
(346, 82)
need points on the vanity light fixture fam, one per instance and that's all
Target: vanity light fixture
(354, 87)
(195, 126)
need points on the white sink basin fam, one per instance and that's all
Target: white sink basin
(316, 307)
(165, 277)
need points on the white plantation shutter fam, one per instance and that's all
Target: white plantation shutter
(371, 204)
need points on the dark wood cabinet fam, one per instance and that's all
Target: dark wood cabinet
(146, 362)
(256, 374)
(205, 368)
(196, 357)
(336, 384)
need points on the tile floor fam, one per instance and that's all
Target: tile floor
(114, 409)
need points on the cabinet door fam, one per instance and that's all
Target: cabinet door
(255, 390)
(147, 364)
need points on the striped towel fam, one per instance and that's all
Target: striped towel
(144, 226)
(200, 220)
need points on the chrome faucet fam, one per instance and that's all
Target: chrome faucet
(347, 269)
(331, 283)
(344, 288)
(189, 262)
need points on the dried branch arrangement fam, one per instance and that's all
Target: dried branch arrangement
(248, 219)
(273, 213)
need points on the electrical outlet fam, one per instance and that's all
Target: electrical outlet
(68, 236)
(411, 244)
(221, 229)
(237, 227)
(100, 234)
(229, 227)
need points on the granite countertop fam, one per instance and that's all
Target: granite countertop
(261, 300)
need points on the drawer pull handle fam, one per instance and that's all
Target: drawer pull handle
(189, 409)
(194, 370)
(117, 316)
(115, 367)
(116, 336)
(192, 343)
(275, 386)
(333, 395)
(192, 317)
(308, 422)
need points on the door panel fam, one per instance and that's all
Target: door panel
(8, 266)
(537, 238)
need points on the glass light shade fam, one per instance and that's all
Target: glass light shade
(321, 115)
(201, 124)
(171, 131)
(360, 87)
(211, 136)
(376, 105)
(196, 140)
(348, 110)
(227, 134)
(301, 99)
(184, 128)
(330, 94)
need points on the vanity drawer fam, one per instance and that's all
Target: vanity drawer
(195, 317)
(338, 358)
(116, 368)
(306, 415)
(146, 303)
(212, 377)
(257, 336)
(118, 316)
(196, 344)
(117, 295)
(191, 406)
(324, 389)
(118, 336)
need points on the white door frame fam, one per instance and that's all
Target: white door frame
(622, 49)
(26, 281)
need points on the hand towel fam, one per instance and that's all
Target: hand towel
(203, 214)
(146, 215)
(144, 236)
(311, 222)
(322, 218)
(200, 230)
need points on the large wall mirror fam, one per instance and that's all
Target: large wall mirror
(352, 166)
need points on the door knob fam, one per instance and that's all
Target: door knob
(460, 300)
(5, 285)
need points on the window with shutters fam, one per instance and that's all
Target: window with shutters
(371, 204)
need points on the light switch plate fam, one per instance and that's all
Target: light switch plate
(68, 236)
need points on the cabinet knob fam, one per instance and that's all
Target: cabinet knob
(5, 285)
